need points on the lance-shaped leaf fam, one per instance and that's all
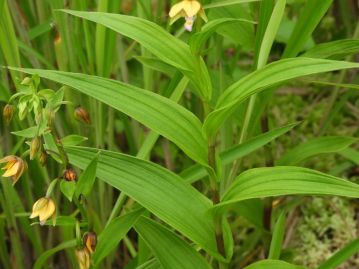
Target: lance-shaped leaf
(259, 80)
(286, 180)
(334, 49)
(159, 42)
(170, 250)
(164, 116)
(273, 264)
(315, 147)
(196, 172)
(198, 40)
(157, 189)
(111, 236)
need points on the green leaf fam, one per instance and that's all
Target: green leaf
(111, 236)
(51, 148)
(309, 18)
(156, 64)
(334, 50)
(40, 262)
(87, 178)
(286, 180)
(61, 221)
(196, 172)
(73, 140)
(273, 264)
(164, 116)
(270, 33)
(28, 133)
(159, 42)
(151, 264)
(160, 240)
(350, 154)
(160, 191)
(68, 188)
(259, 80)
(223, 3)
(197, 40)
(341, 256)
(277, 238)
(315, 147)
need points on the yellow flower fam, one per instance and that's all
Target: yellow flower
(43, 208)
(83, 258)
(14, 167)
(187, 9)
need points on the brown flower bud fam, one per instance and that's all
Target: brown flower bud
(34, 147)
(8, 112)
(70, 174)
(90, 241)
(43, 158)
(81, 114)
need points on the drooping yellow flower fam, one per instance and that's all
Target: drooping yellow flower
(187, 9)
(44, 208)
(83, 258)
(14, 167)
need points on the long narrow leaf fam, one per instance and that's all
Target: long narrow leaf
(160, 191)
(170, 250)
(159, 42)
(158, 113)
(286, 180)
(197, 172)
(341, 256)
(310, 17)
(314, 147)
(259, 80)
(273, 264)
(111, 236)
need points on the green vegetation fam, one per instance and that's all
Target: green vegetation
(179, 134)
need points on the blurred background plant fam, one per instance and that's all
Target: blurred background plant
(41, 118)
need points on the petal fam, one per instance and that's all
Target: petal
(191, 8)
(9, 164)
(8, 159)
(176, 9)
(12, 170)
(203, 15)
(47, 211)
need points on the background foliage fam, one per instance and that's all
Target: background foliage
(197, 149)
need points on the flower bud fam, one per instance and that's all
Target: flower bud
(90, 241)
(43, 158)
(8, 112)
(26, 81)
(44, 208)
(34, 147)
(81, 114)
(14, 167)
(70, 174)
(83, 258)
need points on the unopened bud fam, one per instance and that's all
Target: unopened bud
(34, 147)
(90, 241)
(43, 158)
(8, 112)
(81, 114)
(26, 81)
(70, 174)
(83, 258)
